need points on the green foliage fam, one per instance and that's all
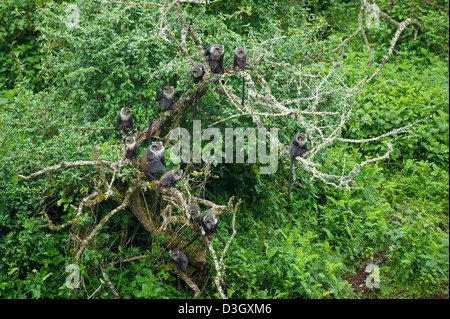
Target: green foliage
(54, 78)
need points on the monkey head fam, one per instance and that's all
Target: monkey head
(240, 52)
(130, 140)
(177, 173)
(194, 210)
(217, 50)
(210, 221)
(126, 111)
(198, 70)
(301, 139)
(174, 254)
(168, 90)
(157, 146)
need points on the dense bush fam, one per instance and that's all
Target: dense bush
(54, 78)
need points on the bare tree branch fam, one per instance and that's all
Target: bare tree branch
(436, 5)
(108, 164)
(88, 238)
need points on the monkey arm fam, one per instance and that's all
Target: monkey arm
(208, 50)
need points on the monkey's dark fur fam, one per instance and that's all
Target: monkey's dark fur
(198, 71)
(124, 119)
(168, 180)
(194, 210)
(153, 161)
(297, 148)
(131, 148)
(165, 102)
(214, 54)
(240, 60)
(182, 263)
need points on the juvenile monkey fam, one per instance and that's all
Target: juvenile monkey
(131, 148)
(297, 148)
(165, 102)
(197, 72)
(194, 210)
(168, 180)
(124, 120)
(182, 263)
(153, 161)
(240, 60)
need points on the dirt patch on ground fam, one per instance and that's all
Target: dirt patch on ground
(360, 287)
(358, 281)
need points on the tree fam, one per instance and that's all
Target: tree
(97, 77)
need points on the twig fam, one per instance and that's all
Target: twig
(103, 221)
(363, 34)
(52, 226)
(436, 5)
(111, 286)
(190, 283)
(395, 131)
(218, 268)
(112, 165)
(95, 128)
(132, 3)
(233, 226)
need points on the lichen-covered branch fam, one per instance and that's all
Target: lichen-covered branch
(86, 240)
(108, 164)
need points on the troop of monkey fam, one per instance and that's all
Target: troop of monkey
(153, 163)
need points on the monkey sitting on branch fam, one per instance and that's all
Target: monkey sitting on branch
(297, 148)
(165, 102)
(168, 180)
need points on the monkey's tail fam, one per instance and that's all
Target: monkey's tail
(187, 289)
(243, 91)
(290, 179)
(156, 202)
(118, 178)
(192, 240)
(195, 103)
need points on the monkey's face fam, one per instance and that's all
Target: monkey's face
(174, 254)
(209, 220)
(241, 52)
(156, 146)
(168, 90)
(194, 210)
(130, 140)
(197, 71)
(217, 50)
(301, 139)
(177, 173)
(126, 111)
